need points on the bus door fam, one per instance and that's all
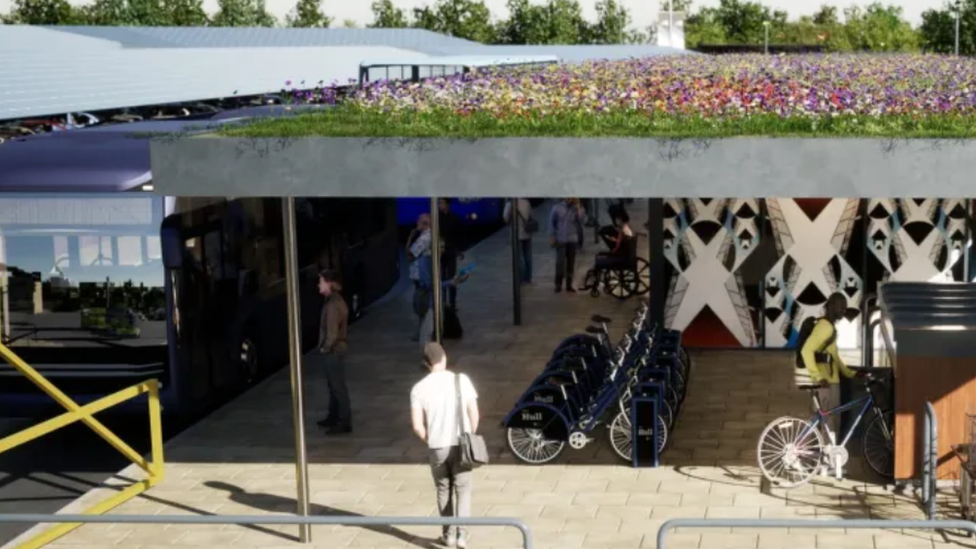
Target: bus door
(202, 311)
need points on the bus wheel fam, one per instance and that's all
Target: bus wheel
(249, 360)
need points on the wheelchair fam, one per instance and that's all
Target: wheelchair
(622, 274)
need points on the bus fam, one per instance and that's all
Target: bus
(106, 284)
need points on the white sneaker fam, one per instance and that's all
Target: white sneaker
(462, 542)
(448, 541)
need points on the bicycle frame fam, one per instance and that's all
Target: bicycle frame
(820, 418)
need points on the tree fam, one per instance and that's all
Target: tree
(185, 13)
(556, 22)
(704, 27)
(44, 12)
(678, 5)
(242, 13)
(308, 13)
(612, 24)
(388, 16)
(349, 24)
(131, 13)
(262, 17)
(468, 19)
(879, 28)
(938, 30)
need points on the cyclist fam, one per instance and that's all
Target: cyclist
(821, 359)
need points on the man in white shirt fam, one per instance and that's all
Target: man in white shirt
(433, 413)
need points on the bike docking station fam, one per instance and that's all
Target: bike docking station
(645, 411)
(634, 388)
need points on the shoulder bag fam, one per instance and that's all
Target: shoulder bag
(472, 449)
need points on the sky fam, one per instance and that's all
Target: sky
(643, 12)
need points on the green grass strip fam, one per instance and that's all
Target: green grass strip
(345, 121)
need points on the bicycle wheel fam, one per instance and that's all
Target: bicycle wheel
(663, 436)
(879, 444)
(790, 452)
(531, 446)
(668, 412)
(621, 436)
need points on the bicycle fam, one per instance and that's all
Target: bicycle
(791, 450)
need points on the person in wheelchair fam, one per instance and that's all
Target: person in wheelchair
(619, 237)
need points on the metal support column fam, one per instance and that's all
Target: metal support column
(295, 357)
(435, 259)
(655, 241)
(516, 265)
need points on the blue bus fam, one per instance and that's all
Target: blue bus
(108, 284)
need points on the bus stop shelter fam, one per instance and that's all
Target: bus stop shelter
(652, 169)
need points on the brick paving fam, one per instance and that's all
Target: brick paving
(238, 461)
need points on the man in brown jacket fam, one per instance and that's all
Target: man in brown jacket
(332, 347)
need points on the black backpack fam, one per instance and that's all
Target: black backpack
(806, 328)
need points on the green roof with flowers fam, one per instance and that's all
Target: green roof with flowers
(671, 96)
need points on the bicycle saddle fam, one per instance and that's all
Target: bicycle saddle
(601, 319)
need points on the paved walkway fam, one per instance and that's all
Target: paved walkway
(238, 461)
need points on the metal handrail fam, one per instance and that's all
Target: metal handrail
(867, 335)
(242, 520)
(858, 524)
(889, 345)
(930, 460)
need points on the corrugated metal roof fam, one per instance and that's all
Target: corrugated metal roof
(27, 38)
(260, 37)
(460, 61)
(38, 84)
(577, 54)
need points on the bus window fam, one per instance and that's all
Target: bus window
(83, 269)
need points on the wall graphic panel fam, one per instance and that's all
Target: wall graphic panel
(812, 240)
(918, 239)
(707, 242)
(748, 272)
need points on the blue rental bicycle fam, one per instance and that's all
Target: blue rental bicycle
(791, 450)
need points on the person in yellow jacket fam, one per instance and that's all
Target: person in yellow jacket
(821, 359)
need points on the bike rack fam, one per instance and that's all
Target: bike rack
(317, 520)
(930, 460)
(860, 524)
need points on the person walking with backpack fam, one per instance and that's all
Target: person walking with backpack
(817, 353)
(526, 228)
(442, 406)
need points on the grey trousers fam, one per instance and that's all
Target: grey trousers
(453, 487)
(565, 264)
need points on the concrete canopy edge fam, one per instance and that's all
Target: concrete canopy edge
(554, 167)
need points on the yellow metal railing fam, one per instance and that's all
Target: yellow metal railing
(86, 414)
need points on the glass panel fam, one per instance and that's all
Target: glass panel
(83, 269)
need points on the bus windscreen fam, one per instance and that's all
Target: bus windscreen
(82, 270)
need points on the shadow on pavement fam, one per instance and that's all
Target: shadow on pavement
(279, 504)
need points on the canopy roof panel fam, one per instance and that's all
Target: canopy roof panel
(472, 61)
(261, 37)
(47, 83)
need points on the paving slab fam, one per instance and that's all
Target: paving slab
(239, 460)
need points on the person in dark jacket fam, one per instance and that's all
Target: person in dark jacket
(332, 347)
(452, 233)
